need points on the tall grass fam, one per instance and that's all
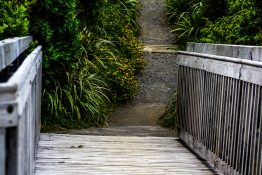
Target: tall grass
(82, 100)
(105, 70)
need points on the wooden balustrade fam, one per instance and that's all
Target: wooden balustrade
(20, 106)
(219, 109)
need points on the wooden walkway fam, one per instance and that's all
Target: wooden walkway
(115, 155)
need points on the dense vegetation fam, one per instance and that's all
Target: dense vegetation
(91, 55)
(216, 21)
(212, 21)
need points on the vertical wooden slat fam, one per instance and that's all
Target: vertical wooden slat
(2, 151)
(213, 117)
(190, 102)
(245, 128)
(234, 122)
(254, 131)
(195, 111)
(218, 115)
(223, 122)
(201, 103)
(248, 128)
(11, 150)
(230, 121)
(208, 108)
(258, 164)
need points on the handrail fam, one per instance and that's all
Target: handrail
(20, 109)
(11, 48)
(236, 51)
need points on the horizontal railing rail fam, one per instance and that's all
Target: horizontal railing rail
(20, 107)
(236, 51)
(219, 110)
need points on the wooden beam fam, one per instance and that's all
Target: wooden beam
(11, 48)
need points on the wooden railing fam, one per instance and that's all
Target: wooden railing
(219, 110)
(236, 51)
(20, 106)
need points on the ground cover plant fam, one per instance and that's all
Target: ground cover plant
(91, 55)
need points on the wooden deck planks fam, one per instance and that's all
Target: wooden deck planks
(112, 155)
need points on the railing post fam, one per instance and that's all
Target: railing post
(20, 100)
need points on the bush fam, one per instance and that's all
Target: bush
(222, 21)
(242, 26)
(117, 27)
(214, 9)
(91, 56)
(189, 24)
(81, 102)
(170, 117)
(14, 19)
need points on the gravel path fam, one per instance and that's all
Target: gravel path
(158, 81)
(154, 27)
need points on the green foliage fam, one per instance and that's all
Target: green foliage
(242, 26)
(214, 9)
(116, 27)
(216, 21)
(175, 8)
(189, 23)
(13, 19)
(82, 101)
(55, 25)
(91, 55)
(170, 116)
(186, 16)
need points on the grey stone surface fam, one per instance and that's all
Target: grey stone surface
(156, 86)
(158, 81)
(153, 23)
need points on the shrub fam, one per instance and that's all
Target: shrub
(81, 102)
(189, 23)
(222, 21)
(170, 116)
(14, 19)
(117, 27)
(175, 8)
(214, 9)
(91, 56)
(242, 26)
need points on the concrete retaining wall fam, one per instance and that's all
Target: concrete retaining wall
(237, 51)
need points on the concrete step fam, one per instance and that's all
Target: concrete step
(141, 131)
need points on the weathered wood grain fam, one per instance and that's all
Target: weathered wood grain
(20, 103)
(74, 154)
(236, 51)
(11, 48)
